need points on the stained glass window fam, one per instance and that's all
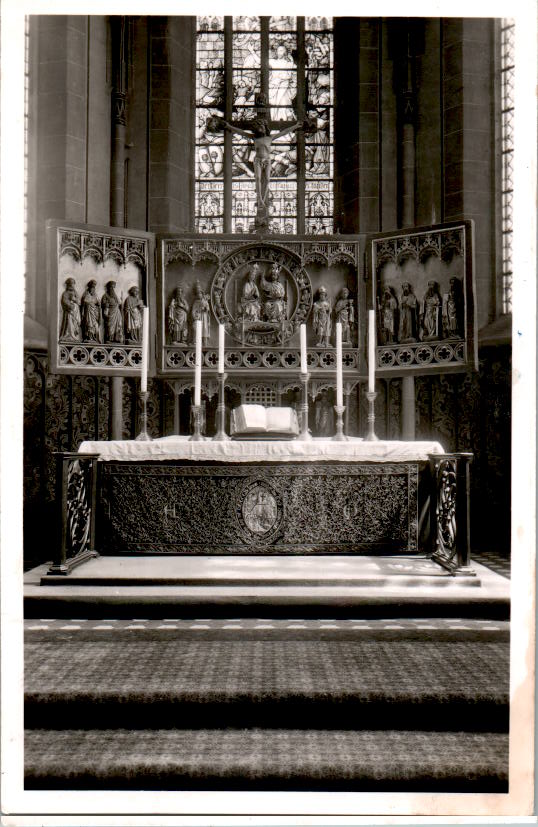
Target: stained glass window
(290, 60)
(507, 151)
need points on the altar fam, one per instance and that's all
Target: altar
(177, 496)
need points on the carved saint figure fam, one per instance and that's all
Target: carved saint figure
(431, 312)
(274, 308)
(408, 314)
(345, 314)
(322, 318)
(110, 306)
(200, 310)
(132, 315)
(249, 306)
(70, 326)
(178, 315)
(90, 313)
(389, 316)
(453, 310)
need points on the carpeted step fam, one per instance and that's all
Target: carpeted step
(269, 678)
(267, 759)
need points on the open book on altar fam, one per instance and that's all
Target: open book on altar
(257, 422)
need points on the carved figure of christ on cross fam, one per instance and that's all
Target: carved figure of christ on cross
(259, 132)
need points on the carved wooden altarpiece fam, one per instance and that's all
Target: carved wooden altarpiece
(262, 289)
(423, 294)
(99, 278)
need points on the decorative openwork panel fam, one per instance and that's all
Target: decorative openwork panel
(450, 510)
(424, 299)
(172, 508)
(99, 282)
(262, 291)
(76, 496)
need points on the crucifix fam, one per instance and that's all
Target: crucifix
(259, 130)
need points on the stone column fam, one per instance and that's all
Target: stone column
(117, 182)
(407, 110)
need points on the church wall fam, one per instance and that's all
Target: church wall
(429, 121)
(468, 151)
(171, 44)
(70, 178)
(98, 131)
(369, 195)
(346, 124)
(137, 139)
(389, 146)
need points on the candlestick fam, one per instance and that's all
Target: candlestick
(196, 415)
(371, 437)
(221, 348)
(339, 388)
(143, 436)
(221, 434)
(339, 435)
(198, 363)
(304, 364)
(145, 350)
(371, 351)
(305, 433)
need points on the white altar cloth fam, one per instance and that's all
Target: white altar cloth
(181, 448)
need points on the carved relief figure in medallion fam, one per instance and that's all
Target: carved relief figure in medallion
(178, 315)
(70, 325)
(200, 310)
(274, 293)
(260, 510)
(249, 307)
(389, 316)
(132, 315)
(110, 306)
(90, 312)
(408, 314)
(345, 314)
(431, 312)
(322, 318)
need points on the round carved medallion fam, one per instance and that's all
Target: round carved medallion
(261, 294)
(259, 511)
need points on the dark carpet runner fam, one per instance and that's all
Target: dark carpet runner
(267, 709)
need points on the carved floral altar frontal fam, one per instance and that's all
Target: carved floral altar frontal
(182, 448)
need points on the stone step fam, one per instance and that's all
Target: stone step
(265, 586)
(267, 759)
(101, 678)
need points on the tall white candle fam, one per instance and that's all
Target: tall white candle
(221, 348)
(339, 388)
(371, 351)
(304, 365)
(145, 350)
(198, 363)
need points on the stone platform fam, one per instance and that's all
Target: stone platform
(266, 586)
